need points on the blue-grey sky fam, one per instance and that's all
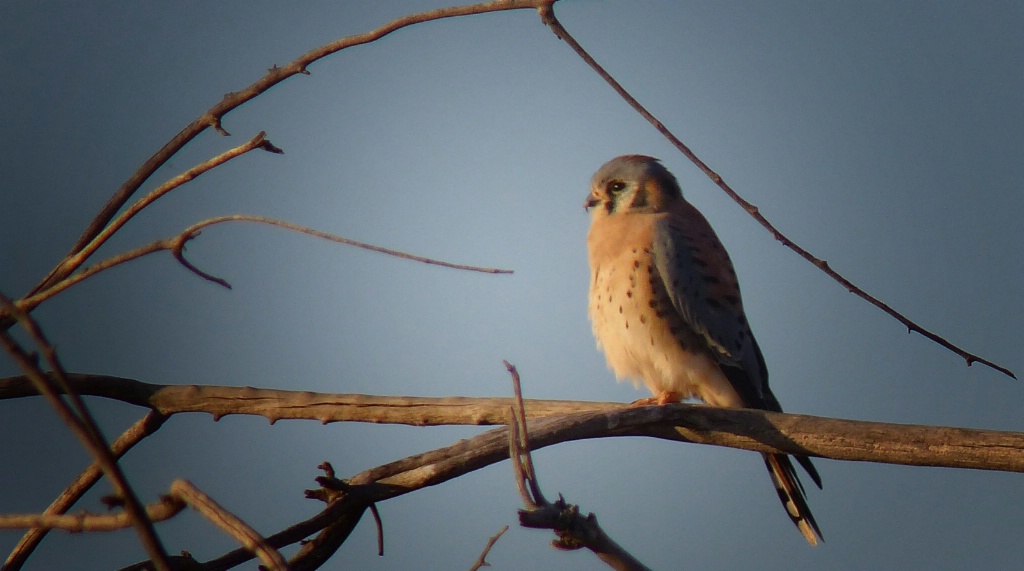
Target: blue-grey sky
(884, 137)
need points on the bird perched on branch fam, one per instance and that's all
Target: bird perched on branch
(666, 309)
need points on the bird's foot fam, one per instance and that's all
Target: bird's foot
(660, 399)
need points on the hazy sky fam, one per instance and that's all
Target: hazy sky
(884, 137)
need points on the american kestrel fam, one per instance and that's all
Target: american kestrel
(666, 309)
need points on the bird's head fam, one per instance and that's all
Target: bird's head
(634, 184)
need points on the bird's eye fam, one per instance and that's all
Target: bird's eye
(616, 186)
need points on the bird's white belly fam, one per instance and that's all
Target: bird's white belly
(645, 340)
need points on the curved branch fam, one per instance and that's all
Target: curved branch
(548, 16)
(188, 493)
(175, 245)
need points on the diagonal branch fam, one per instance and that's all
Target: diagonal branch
(146, 426)
(76, 415)
(548, 16)
(73, 262)
(481, 561)
(229, 523)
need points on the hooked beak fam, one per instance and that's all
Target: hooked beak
(590, 201)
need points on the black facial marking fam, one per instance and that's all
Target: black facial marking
(640, 198)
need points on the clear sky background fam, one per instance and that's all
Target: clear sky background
(885, 137)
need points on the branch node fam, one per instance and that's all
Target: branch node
(177, 250)
(261, 142)
(216, 124)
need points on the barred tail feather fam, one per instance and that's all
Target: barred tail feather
(791, 493)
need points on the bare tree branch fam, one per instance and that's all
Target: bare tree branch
(146, 426)
(175, 244)
(72, 263)
(213, 116)
(482, 560)
(230, 523)
(166, 508)
(757, 430)
(573, 530)
(77, 417)
(548, 16)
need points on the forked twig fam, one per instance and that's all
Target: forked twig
(573, 530)
(548, 16)
(482, 560)
(176, 245)
(75, 261)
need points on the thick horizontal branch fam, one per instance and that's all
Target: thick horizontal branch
(740, 428)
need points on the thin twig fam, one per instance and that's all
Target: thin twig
(77, 417)
(523, 438)
(175, 244)
(548, 16)
(380, 529)
(482, 560)
(166, 508)
(146, 426)
(70, 264)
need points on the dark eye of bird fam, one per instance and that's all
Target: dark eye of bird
(616, 186)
